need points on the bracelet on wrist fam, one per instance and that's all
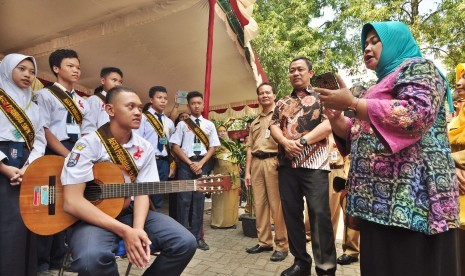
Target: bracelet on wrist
(354, 104)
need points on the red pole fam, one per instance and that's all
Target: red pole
(208, 69)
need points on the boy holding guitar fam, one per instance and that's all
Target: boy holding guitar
(94, 239)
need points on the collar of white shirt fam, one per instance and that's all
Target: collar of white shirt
(194, 118)
(151, 110)
(63, 88)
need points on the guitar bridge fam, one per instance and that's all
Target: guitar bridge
(51, 194)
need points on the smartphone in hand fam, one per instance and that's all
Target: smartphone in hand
(326, 80)
(181, 97)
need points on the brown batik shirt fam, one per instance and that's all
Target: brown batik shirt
(296, 117)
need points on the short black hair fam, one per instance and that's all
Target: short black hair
(307, 61)
(98, 89)
(156, 89)
(57, 57)
(193, 94)
(146, 107)
(112, 93)
(107, 70)
(266, 83)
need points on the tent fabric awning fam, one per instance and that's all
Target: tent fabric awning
(154, 42)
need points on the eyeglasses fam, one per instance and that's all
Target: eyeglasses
(460, 100)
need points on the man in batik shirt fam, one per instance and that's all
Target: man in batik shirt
(298, 126)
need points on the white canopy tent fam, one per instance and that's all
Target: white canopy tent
(154, 42)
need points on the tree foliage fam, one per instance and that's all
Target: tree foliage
(286, 32)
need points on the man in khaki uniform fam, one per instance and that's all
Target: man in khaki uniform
(261, 174)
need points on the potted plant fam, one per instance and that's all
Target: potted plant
(238, 153)
(249, 226)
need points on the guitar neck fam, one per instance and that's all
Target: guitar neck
(144, 188)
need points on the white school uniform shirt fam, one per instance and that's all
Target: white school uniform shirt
(23, 98)
(148, 132)
(55, 113)
(98, 113)
(8, 130)
(184, 137)
(89, 149)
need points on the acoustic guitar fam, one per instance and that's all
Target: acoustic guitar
(41, 195)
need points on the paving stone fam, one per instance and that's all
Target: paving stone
(227, 256)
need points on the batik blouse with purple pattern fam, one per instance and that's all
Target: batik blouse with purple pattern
(402, 173)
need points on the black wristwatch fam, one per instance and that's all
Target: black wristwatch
(303, 141)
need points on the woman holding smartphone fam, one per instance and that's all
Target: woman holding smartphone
(402, 182)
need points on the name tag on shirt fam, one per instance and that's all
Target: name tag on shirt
(267, 133)
(334, 156)
(197, 147)
(163, 141)
(16, 134)
(73, 129)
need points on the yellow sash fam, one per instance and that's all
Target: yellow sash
(18, 118)
(198, 132)
(67, 102)
(118, 154)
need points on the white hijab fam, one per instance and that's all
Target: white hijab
(21, 96)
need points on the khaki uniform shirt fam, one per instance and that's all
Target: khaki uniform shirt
(260, 140)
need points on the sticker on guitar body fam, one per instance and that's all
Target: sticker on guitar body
(44, 195)
(36, 197)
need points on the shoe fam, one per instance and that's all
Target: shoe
(258, 249)
(202, 245)
(296, 270)
(345, 259)
(278, 256)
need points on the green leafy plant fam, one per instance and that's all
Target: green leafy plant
(238, 151)
(238, 155)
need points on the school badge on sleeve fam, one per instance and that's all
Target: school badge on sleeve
(79, 146)
(73, 159)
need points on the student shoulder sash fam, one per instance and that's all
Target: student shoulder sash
(18, 118)
(118, 154)
(198, 132)
(67, 102)
(157, 125)
(101, 97)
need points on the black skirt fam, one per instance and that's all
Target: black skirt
(395, 251)
(18, 251)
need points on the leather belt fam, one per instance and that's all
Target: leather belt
(264, 155)
(161, 158)
(69, 140)
(335, 167)
(7, 143)
(196, 157)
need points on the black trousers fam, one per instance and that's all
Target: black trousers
(390, 250)
(294, 185)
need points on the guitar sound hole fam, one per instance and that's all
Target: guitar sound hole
(93, 192)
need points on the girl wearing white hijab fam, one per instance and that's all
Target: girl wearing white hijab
(17, 244)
